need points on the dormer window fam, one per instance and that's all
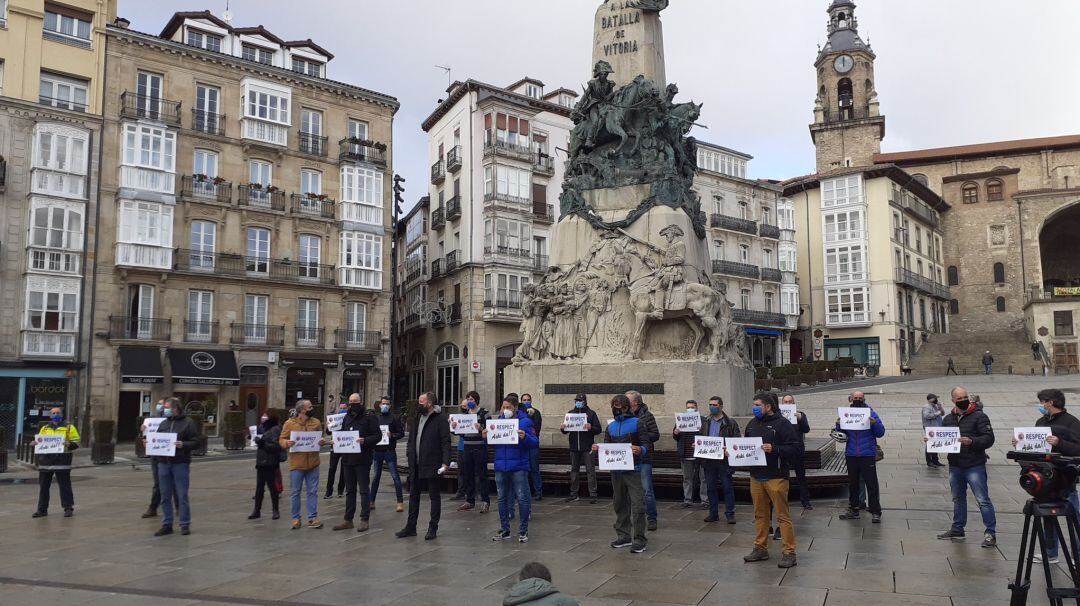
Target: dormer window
(307, 66)
(258, 54)
(533, 91)
(204, 40)
(566, 100)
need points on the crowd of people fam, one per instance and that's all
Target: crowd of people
(517, 471)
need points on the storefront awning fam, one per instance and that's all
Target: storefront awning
(768, 332)
(203, 367)
(141, 365)
(359, 361)
(310, 360)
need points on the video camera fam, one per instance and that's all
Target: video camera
(1047, 477)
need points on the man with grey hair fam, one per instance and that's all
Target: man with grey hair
(648, 435)
(174, 473)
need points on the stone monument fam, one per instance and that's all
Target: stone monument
(628, 302)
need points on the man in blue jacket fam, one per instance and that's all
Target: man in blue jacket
(512, 472)
(862, 461)
(629, 494)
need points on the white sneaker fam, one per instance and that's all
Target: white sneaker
(1037, 558)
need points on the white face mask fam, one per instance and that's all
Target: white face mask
(507, 414)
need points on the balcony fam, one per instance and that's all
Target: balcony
(452, 261)
(282, 270)
(414, 321)
(144, 107)
(361, 213)
(769, 231)
(263, 131)
(310, 338)
(455, 313)
(453, 208)
(436, 268)
(312, 144)
(543, 213)
(367, 341)
(438, 219)
(144, 255)
(438, 173)
(69, 104)
(909, 278)
(503, 307)
(541, 264)
(356, 150)
(740, 270)
(759, 318)
(846, 113)
(312, 205)
(438, 320)
(139, 329)
(200, 188)
(262, 197)
(544, 165)
(54, 260)
(147, 179)
(57, 183)
(920, 210)
(507, 202)
(508, 150)
(263, 335)
(745, 226)
(49, 344)
(514, 255)
(453, 159)
(769, 274)
(200, 332)
(208, 122)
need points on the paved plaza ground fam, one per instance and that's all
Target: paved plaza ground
(106, 555)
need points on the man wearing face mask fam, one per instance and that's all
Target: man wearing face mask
(473, 470)
(861, 453)
(512, 472)
(58, 465)
(155, 495)
(629, 496)
(388, 453)
(581, 443)
(535, 481)
(474, 397)
(802, 427)
(693, 470)
(932, 414)
(769, 485)
(174, 473)
(358, 465)
(719, 425)
(267, 463)
(429, 458)
(303, 466)
(649, 434)
(335, 461)
(968, 467)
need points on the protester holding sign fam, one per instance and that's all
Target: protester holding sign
(649, 434)
(968, 467)
(693, 470)
(802, 427)
(387, 453)
(932, 414)
(333, 423)
(512, 471)
(629, 496)
(861, 452)
(267, 463)
(174, 473)
(719, 425)
(769, 483)
(149, 425)
(358, 465)
(56, 463)
(581, 443)
(473, 472)
(303, 465)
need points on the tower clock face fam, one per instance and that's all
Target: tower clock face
(844, 63)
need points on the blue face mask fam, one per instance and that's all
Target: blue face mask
(167, 413)
(385, 408)
(471, 405)
(527, 404)
(159, 408)
(758, 412)
(714, 409)
(57, 418)
(579, 405)
(1043, 411)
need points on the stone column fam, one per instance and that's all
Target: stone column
(631, 40)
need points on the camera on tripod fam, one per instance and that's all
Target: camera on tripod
(1047, 477)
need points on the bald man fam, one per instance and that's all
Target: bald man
(968, 467)
(58, 465)
(861, 454)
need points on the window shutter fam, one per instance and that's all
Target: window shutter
(524, 132)
(500, 121)
(539, 195)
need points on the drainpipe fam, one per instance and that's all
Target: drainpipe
(1023, 262)
(809, 273)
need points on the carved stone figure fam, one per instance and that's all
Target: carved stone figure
(654, 6)
(530, 326)
(670, 273)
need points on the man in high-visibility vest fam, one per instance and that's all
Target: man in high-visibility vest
(56, 464)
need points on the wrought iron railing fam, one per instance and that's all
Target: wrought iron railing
(733, 268)
(141, 329)
(358, 340)
(148, 107)
(257, 334)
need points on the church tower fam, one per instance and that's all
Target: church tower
(848, 126)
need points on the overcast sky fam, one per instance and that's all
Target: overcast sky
(948, 72)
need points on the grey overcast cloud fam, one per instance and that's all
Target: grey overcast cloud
(948, 72)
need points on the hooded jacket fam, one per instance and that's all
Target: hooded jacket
(366, 422)
(269, 450)
(774, 429)
(627, 431)
(974, 425)
(185, 431)
(537, 592)
(863, 442)
(300, 461)
(582, 441)
(58, 462)
(515, 457)
(648, 432)
(396, 429)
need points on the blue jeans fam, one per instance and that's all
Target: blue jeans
(1051, 535)
(534, 471)
(960, 480)
(511, 485)
(988, 367)
(173, 479)
(650, 494)
(298, 478)
(390, 458)
(718, 470)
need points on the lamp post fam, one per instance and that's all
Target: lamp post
(399, 199)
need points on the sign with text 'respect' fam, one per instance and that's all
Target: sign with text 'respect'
(744, 452)
(333, 422)
(790, 412)
(575, 421)
(253, 432)
(151, 425)
(706, 447)
(161, 444)
(688, 422)
(1032, 439)
(345, 442)
(944, 440)
(49, 444)
(854, 418)
(306, 441)
(462, 424)
(502, 431)
(385, 441)
(616, 457)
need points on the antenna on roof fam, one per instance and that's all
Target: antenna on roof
(447, 69)
(227, 15)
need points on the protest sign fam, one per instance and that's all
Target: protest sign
(706, 447)
(1032, 439)
(151, 424)
(502, 431)
(854, 418)
(943, 440)
(461, 424)
(50, 444)
(306, 441)
(333, 422)
(345, 442)
(789, 411)
(688, 422)
(575, 421)
(616, 457)
(385, 441)
(253, 432)
(744, 452)
(161, 444)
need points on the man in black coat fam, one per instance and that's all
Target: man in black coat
(968, 467)
(799, 462)
(174, 472)
(358, 466)
(1065, 440)
(769, 484)
(581, 448)
(429, 458)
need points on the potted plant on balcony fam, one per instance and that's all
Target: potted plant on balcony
(103, 449)
(255, 186)
(380, 146)
(235, 430)
(218, 180)
(273, 189)
(199, 178)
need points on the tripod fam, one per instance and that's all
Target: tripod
(1034, 531)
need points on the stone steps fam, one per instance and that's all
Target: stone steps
(1008, 348)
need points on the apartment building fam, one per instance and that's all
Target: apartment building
(51, 82)
(246, 224)
(497, 157)
(752, 245)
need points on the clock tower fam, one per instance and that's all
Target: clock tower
(848, 126)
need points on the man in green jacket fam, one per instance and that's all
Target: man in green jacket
(534, 587)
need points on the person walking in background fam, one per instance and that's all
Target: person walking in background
(174, 473)
(952, 367)
(387, 454)
(648, 434)
(429, 458)
(58, 465)
(358, 465)
(932, 414)
(693, 471)
(1035, 350)
(861, 452)
(534, 587)
(537, 419)
(155, 495)
(267, 463)
(303, 466)
(335, 461)
(968, 467)
(802, 427)
(581, 443)
(473, 467)
(988, 362)
(512, 472)
(629, 496)
(719, 425)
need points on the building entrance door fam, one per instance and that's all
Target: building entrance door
(127, 416)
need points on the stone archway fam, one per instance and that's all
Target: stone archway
(1058, 259)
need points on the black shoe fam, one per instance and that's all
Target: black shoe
(637, 549)
(164, 530)
(730, 518)
(808, 506)
(850, 514)
(620, 543)
(39, 514)
(254, 515)
(711, 519)
(571, 499)
(876, 518)
(340, 495)
(150, 513)
(185, 530)
(538, 497)
(69, 513)
(327, 496)
(276, 515)
(431, 534)
(651, 525)
(593, 501)
(405, 532)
